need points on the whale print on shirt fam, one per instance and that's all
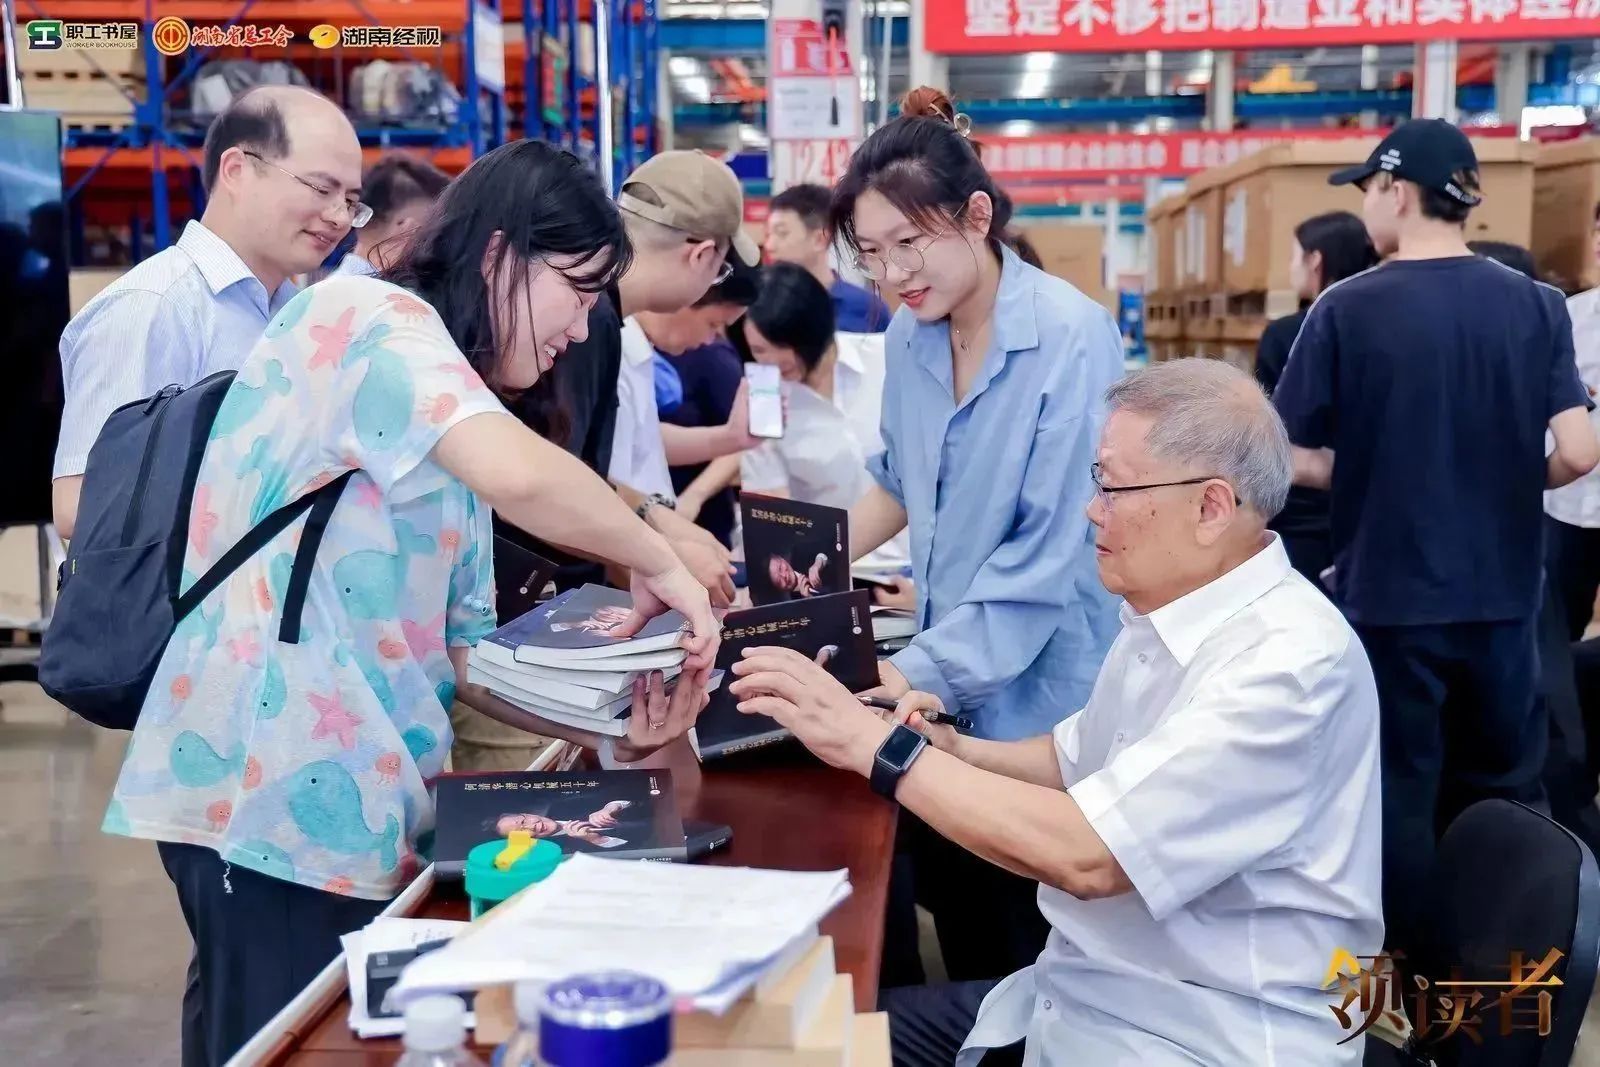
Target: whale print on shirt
(370, 581)
(244, 402)
(326, 805)
(196, 764)
(263, 858)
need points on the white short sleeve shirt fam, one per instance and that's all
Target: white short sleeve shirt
(1228, 758)
(638, 455)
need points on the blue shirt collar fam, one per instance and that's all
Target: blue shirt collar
(221, 266)
(1016, 329)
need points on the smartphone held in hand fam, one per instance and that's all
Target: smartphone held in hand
(766, 400)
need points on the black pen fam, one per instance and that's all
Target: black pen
(960, 722)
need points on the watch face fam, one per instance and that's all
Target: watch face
(899, 746)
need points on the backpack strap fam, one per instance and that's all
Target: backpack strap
(320, 502)
(294, 601)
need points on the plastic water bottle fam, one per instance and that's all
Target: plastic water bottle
(614, 1018)
(436, 1034)
(522, 1048)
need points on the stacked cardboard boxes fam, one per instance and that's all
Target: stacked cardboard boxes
(1566, 189)
(1163, 313)
(1244, 216)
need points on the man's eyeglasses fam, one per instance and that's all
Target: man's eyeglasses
(725, 271)
(1109, 492)
(360, 214)
(906, 255)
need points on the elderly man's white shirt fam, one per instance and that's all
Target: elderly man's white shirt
(1228, 758)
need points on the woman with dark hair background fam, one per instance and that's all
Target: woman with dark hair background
(286, 783)
(818, 459)
(1327, 249)
(993, 404)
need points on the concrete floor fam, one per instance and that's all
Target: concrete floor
(92, 947)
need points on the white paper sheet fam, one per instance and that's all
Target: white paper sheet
(387, 935)
(701, 931)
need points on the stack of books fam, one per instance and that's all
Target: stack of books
(562, 662)
(800, 1014)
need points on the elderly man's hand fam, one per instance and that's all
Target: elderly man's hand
(810, 702)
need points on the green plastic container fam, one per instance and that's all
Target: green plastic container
(488, 885)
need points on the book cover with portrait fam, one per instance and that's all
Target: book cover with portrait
(835, 631)
(794, 550)
(625, 814)
(580, 625)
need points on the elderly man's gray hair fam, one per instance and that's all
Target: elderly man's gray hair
(1213, 418)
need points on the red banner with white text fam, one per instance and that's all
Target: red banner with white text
(1133, 155)
(984, 26)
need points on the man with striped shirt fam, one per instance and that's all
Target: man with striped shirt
(277, 205)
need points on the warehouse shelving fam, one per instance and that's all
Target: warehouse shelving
(158, 147)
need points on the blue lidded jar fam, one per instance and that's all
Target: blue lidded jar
(615, 1018)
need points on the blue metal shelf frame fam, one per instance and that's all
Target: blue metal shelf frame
(152, 129)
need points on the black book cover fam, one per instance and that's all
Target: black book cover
(794, 550)
(519, 578)
(835, 630)
(626, 814)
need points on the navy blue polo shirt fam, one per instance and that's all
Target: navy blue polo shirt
(857, 310)
(1433, 381)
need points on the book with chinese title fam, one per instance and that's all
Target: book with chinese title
(834, 631)
(623, 814)
(794, 550)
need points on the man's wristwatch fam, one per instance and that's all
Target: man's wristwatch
(655, 500)
(895, 757)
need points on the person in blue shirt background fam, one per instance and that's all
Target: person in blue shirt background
(797, 232)
(991, 415)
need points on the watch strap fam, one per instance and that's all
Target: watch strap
(886, 773)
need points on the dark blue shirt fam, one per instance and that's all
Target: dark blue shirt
(710, 377)
(1433, 382)
(857, 310)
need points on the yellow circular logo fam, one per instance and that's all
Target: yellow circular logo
(325, 36)
(170, 35)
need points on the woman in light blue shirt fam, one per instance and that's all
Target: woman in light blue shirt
(991, 412)
(991, 417)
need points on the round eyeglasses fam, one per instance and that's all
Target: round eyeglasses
(905, 255)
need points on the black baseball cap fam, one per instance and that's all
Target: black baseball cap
(1429, 152)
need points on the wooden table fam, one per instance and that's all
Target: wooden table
(787, 812)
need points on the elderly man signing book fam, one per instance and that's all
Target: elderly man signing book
(1206, 831)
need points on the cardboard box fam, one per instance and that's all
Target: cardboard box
(1271, 192)
(1163, 316)
(1566, 189)
(1165, 221)
(1201, 266)
(1506, 167)
(83, 283)
(1074, 252)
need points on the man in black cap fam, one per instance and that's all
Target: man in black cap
(1433, 379)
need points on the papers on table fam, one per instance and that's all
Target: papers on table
(387, 935)
(708, 933)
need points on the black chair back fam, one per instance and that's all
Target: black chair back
(1509, 879)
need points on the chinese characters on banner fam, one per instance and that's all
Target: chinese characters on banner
(1136, 155)
(979, 26)
(813, 104)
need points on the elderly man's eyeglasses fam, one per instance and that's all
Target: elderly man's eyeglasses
(1109, 492)
(905, 255)
(360, 214)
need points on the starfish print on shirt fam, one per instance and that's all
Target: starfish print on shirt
(334, 720)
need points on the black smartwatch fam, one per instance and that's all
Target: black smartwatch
(895, 757)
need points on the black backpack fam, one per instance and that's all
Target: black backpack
(119, 603)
